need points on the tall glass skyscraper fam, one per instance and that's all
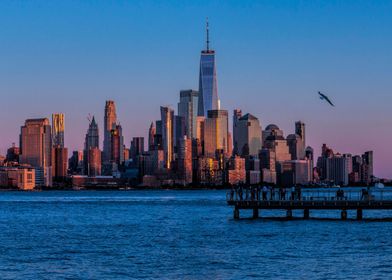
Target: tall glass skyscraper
(208, 89)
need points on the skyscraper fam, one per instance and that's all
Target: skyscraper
(151, 136)
(36, 148)
(216, 128)
(185, 159)
(59, 163)
(117, 145)
(58, 130)
(208, 89)
(91, 142)
(110, 121)
(187, 108)
(300, 130)
(137, 147)
(247, 134)
(167, 117)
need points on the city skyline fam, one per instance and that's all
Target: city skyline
(346, 127)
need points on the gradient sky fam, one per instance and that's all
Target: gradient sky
(272, 58)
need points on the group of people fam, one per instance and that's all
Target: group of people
(265, 193)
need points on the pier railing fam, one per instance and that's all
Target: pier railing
(310, 195)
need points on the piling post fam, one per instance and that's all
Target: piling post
(289, 213)
(236, 213)
(255, 213)
(344, 214)
(306, 213)
(359, 214)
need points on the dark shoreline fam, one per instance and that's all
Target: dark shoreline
(163, 188)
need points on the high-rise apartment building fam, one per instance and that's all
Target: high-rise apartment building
(208, 89)
(188, 109)
(58, 130)
(36, 148)
(110, 122)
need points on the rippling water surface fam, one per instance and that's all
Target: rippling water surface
(181, 235)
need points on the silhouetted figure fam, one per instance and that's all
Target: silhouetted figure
(265, 191)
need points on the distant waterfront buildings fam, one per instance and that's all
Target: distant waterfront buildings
(192, 147)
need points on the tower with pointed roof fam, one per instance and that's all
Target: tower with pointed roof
(208, 89)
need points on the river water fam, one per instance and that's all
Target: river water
(181, 235)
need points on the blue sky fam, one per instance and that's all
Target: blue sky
(272, 58)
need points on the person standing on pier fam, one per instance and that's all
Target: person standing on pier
(292, 193)
(282, 193)
(265, 190)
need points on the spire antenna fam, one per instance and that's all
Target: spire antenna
(208, 36)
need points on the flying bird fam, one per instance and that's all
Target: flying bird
(324, 97)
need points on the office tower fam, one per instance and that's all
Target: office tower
(75, 163)
(185, 159)
(36, 148)
(334, 168)
(237, 114)
(229, 144)
(94, 162)
(295, 146)
(158, 135)
(247, 135)
(367, 167)
(151, 136)
(58, 130)
(116, 145)
(300, 131)
(268, 165)
(59, 163)
(167, 116)
(208, 89)
(216, 128)
(271, 129)
(178, 131)
(309, 155)
(91, 141)
(110, 121)
(188, 109)
(137, 147)
(278, 144)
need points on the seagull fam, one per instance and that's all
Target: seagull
(324, 97)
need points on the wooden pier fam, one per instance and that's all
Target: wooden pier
(307, 200)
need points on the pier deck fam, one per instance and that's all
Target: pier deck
(310, 200)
